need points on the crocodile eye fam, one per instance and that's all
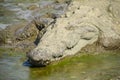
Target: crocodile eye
(70, 28)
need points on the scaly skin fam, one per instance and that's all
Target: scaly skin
(84, 23)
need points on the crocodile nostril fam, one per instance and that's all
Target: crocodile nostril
(57, 56)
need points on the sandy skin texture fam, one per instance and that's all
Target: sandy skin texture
(84, 23)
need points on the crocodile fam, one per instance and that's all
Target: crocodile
(84, 23)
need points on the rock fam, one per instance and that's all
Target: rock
(24, 46)
(84, 23)
(19, 36)
(28, 31)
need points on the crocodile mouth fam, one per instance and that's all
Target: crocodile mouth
(43, 62)
(40, 63)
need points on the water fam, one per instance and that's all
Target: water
(86, 67)
(15, 11)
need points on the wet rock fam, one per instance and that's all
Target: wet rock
(26, 32)
(84, 23)
(24, 46)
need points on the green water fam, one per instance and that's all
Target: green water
(104, 66)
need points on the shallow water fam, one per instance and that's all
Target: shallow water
(86, 67)
(14, 11)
